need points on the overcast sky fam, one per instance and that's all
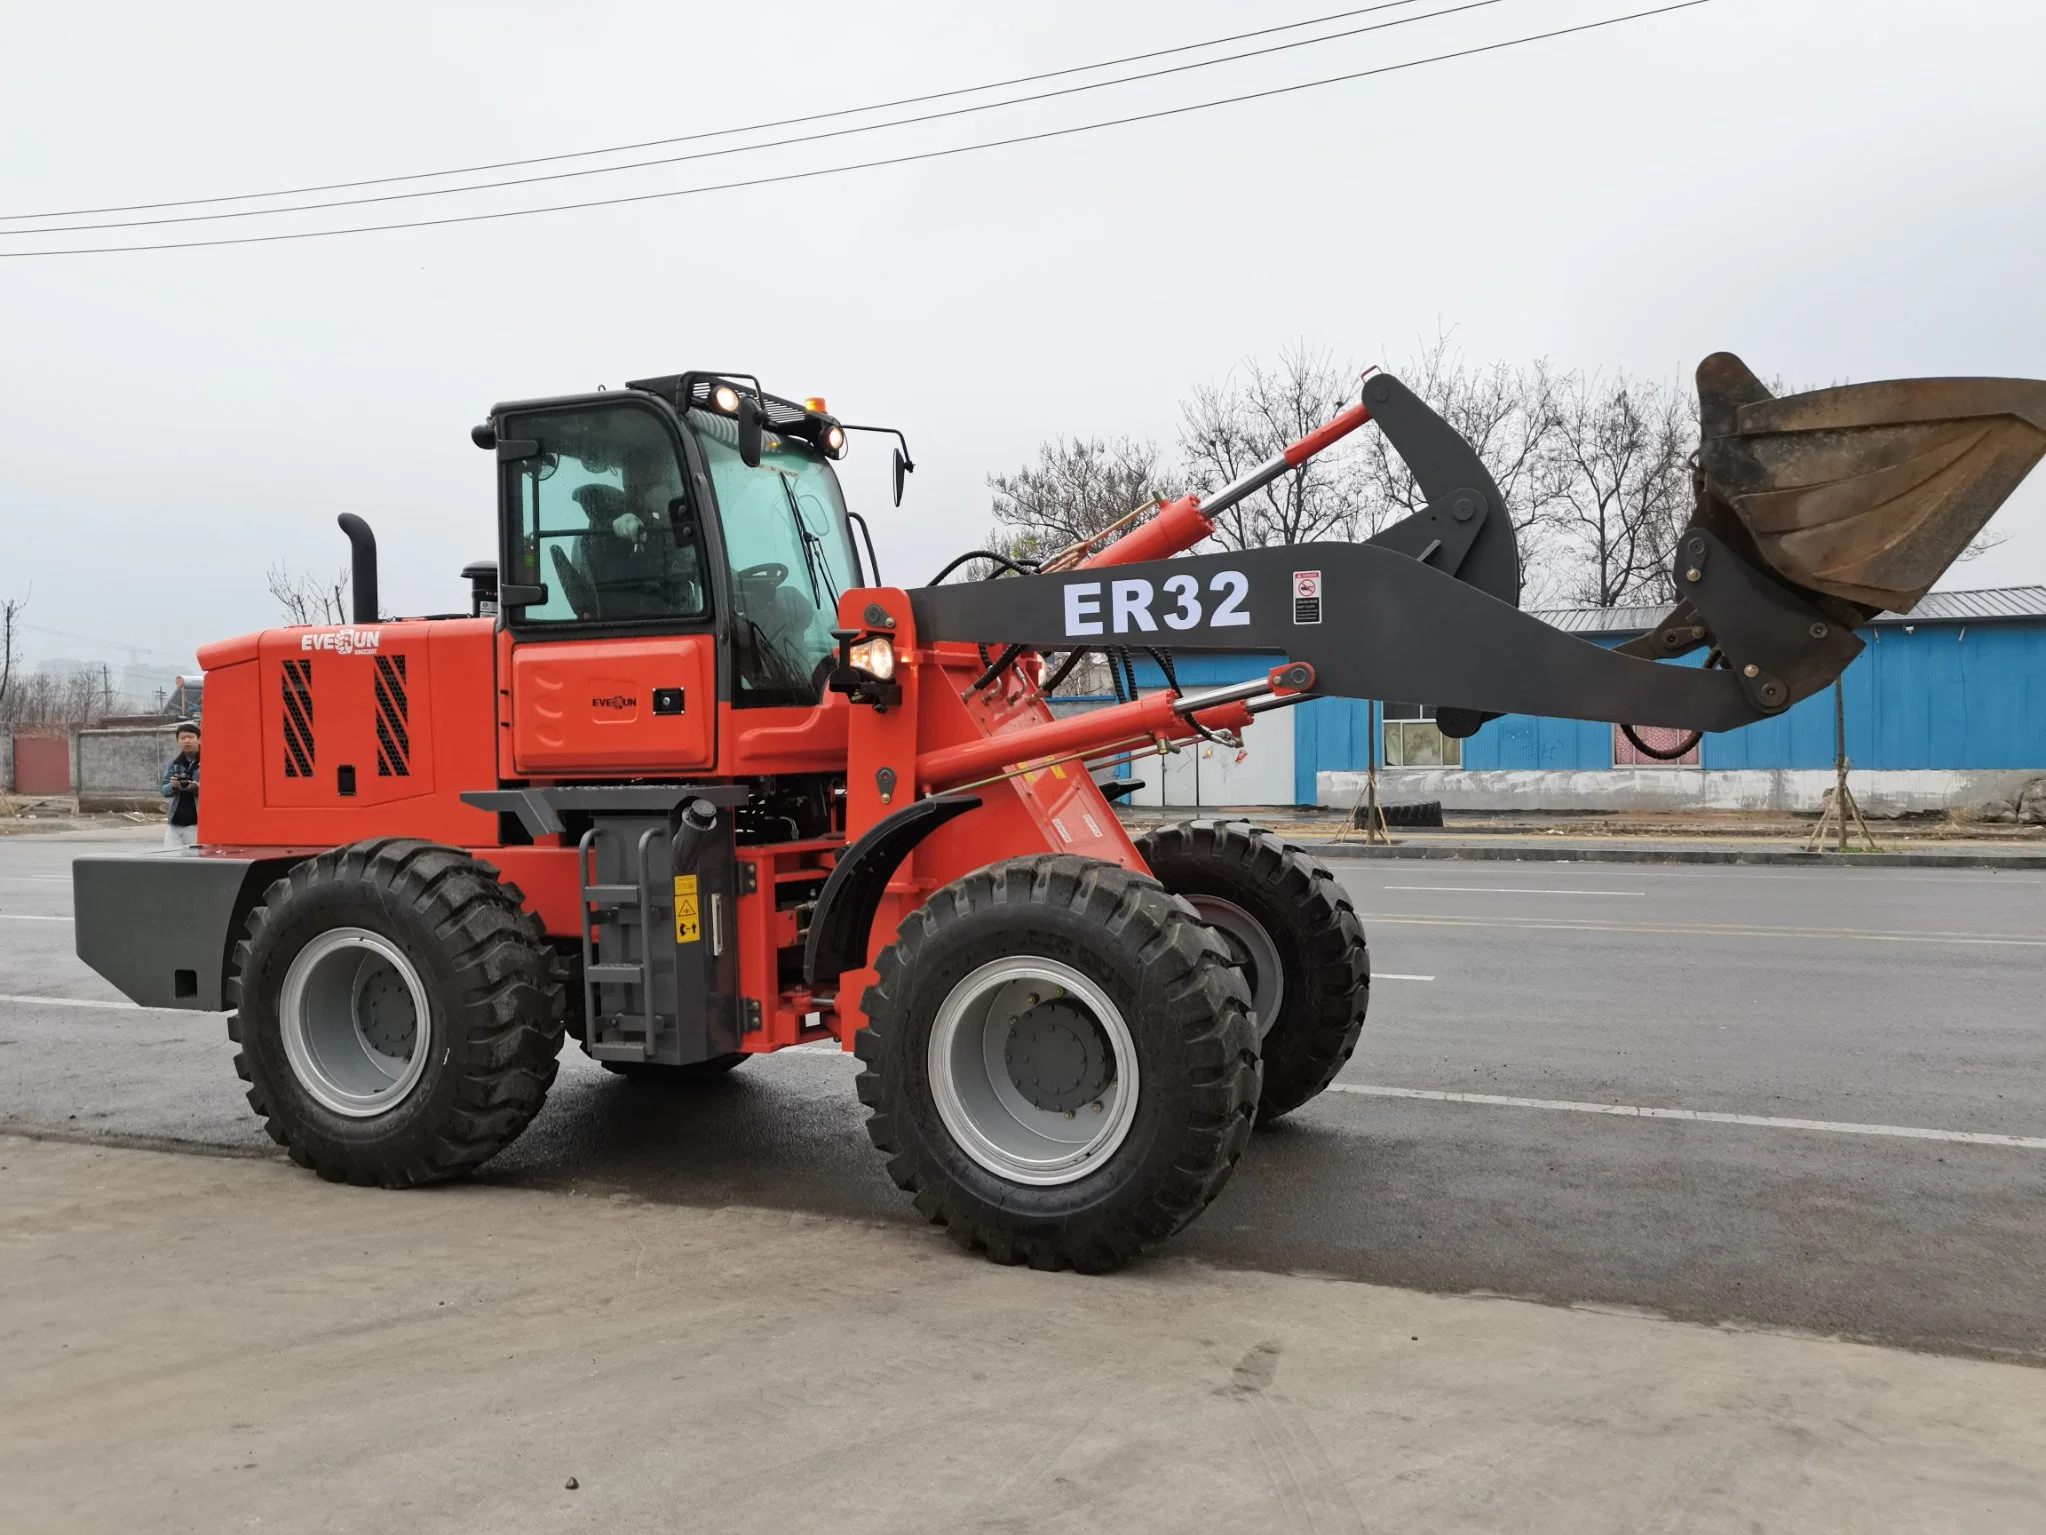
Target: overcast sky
(1833, 188)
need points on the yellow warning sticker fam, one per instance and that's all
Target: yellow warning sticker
(688, 924)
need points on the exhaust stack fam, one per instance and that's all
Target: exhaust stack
(362, 544)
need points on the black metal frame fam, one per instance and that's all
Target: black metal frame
(1393, 627)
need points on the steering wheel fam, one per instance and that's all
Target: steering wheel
(582, 595)
(771, 571)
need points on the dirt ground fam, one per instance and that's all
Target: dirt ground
(206, 1343)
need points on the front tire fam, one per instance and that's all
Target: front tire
(1059, 1062)
(398, 1013)
(1291, 930)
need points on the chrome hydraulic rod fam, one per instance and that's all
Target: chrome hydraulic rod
(1182, 524)
(1193, 703)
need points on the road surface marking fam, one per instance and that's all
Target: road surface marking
(117, 1005)
(1517, 890)
(35, 879)
(1387, 975)
(1703, 930)
(1705, 1116)
(20, 916)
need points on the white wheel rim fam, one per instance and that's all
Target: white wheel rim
(357, 1029)
(985, 1058)
(1252, 951)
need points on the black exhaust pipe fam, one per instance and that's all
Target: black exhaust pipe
(363, 579)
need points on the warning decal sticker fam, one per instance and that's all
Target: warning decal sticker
(1306, 596)
(688, 924)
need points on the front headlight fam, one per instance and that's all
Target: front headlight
(726, 399)
(834, 441)
(875, 657)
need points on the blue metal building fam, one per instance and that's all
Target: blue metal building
(1956, 686)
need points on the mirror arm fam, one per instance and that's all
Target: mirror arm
(908, 465)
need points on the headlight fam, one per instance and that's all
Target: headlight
(834, 440)
(875, 657)
(726, 399)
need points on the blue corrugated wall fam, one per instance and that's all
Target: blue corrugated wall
(1943, 696)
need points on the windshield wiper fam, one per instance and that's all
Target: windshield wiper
(812, 551)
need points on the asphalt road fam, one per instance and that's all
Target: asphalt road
(1892, 1001)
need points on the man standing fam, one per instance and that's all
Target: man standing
(181, 788)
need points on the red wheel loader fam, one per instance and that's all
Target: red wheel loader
(689, 783)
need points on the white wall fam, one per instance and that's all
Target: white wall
(1886, 792)
(1204, 774)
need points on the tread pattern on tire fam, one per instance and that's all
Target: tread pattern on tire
(513, 1004)
(1184, 968)
(1309, 1044)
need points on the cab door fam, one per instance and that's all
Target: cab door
(611, 662)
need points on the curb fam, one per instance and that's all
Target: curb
(1768, 857)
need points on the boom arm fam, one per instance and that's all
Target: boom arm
(1813, 512)
(1388, 626)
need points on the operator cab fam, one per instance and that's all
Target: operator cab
(637, 513)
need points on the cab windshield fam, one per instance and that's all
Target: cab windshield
(791, 556)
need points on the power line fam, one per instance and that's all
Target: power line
(744, 149)
(718, 133)
(863, 165)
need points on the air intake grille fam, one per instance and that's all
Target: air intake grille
(298, 719)
(394, 743)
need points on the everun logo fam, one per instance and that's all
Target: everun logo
(343, 642)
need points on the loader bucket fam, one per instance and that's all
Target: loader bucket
(1866, 492)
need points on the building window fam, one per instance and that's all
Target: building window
(1663, 738)
(1413, 739)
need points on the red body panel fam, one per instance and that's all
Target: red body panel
(588, 706)
(278, 740)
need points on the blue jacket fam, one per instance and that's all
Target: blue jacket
(184, 803)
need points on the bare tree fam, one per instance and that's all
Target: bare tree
(1618, 459)
(305, 599)
(1076, 488)
(10, 618)
(1230, 428)
(44, 697)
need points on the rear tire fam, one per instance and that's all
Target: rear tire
(399, 1014)
(1271, 901)
(1059, 1061)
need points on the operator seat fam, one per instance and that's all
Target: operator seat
(634, 577)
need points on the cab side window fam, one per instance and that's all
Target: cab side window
(604, 520)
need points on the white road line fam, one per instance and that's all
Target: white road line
(1516, 890)
(35, 879)
(1387, 975)
(18, 916)
(1705, 1116)
(117, 1005)
(1697, 929)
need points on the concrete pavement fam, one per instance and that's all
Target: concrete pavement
(1902, 1001)
(204, 1344)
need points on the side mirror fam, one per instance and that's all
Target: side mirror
(749, 431)
(903, 469)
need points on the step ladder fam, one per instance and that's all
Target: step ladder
(624, 916)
